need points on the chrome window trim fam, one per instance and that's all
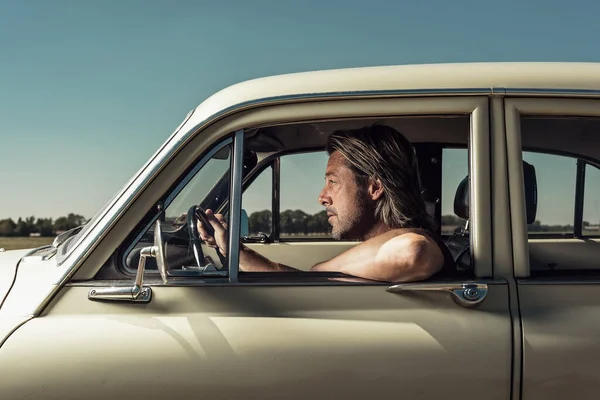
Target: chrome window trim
(550, 92)
(276, 200)
(235, 206)
(225, 282)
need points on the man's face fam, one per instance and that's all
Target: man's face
(346, 203)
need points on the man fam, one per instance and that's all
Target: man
(372, 194)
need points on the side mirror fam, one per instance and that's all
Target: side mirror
(157, 251)
(137, 293)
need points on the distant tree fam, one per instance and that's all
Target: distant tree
(299, 221)
(44, 226)
(259, 221)
(61, 224)
(317, 223)
(7, 227)
(286, 223)
(22, 228)
(76, 220)
(69, 222)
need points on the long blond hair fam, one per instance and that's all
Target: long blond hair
(381, 152)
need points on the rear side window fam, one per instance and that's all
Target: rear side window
(591, 202)
(556, 177)
(455, 167)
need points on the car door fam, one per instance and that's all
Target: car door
(557, 253)
(267, 335)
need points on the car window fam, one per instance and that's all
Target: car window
(556, 176)
(257, 203)
(207, 185)
(301, 234)
(591, 201)
(283, 175)
(560, 158)
(557, 192)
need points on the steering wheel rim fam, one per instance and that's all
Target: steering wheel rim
(192, 223)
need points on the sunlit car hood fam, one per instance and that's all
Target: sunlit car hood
(8, 268)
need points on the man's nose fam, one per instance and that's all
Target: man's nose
(324, 198)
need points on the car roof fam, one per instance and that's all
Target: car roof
(460, 78)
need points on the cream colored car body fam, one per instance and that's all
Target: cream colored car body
(197, 339)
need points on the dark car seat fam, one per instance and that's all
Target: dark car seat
(459, 242)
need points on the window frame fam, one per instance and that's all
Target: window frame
(479, 117)
(479, 170)
(514, 109)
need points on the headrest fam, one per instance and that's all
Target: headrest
(461, 199)
(531, 198)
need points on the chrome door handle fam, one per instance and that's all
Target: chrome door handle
(465, 294)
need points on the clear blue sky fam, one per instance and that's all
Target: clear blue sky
(89, 90)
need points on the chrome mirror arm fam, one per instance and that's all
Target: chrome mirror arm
(137, 293)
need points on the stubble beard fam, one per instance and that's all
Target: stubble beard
(354, 225)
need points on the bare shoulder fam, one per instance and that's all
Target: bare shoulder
(412, 251)
(413, 240)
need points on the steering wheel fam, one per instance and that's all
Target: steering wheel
(195, 214)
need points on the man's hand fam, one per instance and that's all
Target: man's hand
(219, 239)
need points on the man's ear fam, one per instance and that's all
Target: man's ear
(375, 189)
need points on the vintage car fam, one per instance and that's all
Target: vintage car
(134, 305)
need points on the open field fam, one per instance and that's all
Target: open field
(16, 243)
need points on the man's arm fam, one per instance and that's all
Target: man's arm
(395, 256)
(250, 260)
(399, 255)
